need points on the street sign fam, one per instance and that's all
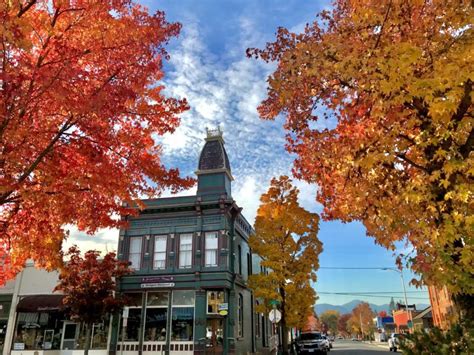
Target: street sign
(410, 324)
(274, 302)
(274, 316)
(223, 306)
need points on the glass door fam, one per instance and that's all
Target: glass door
(70, 334)
(215, 335)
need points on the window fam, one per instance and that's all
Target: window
(211, 249)
(135, 254)
(257, 321)
(182, 316)
(249, 265)
(159, 254)
(240, 259)
(241, 316)
(31, 329)
(185, 250)
(132, 330)
(214, 299)
(156, 316)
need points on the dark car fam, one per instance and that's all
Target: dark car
(310, 343)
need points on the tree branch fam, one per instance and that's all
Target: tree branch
(68, 124)
(26, 8)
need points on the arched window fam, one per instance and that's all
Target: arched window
(241, 316)
(249, 265)
(240, 259)
(257, 322)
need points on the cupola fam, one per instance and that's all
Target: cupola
(214, 173)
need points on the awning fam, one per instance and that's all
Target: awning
(40, 303)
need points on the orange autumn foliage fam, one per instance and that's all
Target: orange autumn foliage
(378, 98)
(80, 107)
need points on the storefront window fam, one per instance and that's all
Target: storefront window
(157, 299)
(156, 316)
(132, 330)
(214, 298)
(38, 330)
(182, 324)
(183, 298)
(98, 339)
(182, 316)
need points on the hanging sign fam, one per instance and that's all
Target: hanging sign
(157, 285)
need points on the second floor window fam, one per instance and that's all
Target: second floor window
(159, 254)
(211, 249)
(135, 254)
(185, 250)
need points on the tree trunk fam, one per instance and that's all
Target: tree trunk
(88, 338)
(284, 330)
(464, 304)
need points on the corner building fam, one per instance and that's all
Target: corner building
(188, 292)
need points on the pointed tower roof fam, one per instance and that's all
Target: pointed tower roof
(213, 158)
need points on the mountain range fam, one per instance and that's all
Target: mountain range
(347, 307)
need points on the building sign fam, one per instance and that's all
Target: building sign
(155, 279)
(157, 285)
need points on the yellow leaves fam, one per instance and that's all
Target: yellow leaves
(286, 239)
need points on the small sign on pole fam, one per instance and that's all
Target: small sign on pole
(274, 316)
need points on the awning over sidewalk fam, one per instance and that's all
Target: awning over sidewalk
(40, 303)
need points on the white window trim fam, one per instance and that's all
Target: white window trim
(216, 249)
(165, 237)
(190, 265)
(139, 253)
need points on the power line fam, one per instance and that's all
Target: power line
(358, 268)
(380, 292)
(367, 295)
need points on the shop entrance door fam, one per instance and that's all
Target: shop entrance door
(215, 336)
(70, 334)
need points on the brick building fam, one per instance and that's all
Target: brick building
(442, 304)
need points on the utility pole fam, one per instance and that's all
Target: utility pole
(361, 326)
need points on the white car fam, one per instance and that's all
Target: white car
(394, 342)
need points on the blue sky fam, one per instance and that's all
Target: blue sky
(208, 66)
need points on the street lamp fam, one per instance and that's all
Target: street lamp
(404, 292)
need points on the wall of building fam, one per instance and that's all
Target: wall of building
(443, 308)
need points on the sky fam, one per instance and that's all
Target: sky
(208, 67)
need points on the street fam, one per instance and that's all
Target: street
(357, 348)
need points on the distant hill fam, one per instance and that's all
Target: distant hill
(349, 306)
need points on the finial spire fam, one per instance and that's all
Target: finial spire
(213, 133)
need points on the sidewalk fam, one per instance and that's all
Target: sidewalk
(380, 344)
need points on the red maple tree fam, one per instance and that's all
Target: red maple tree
(80, 109)
(88, 284)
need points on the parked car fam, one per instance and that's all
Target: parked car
(311, 343)
(326, 342)
(394, 341)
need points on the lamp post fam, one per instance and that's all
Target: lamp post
(404, 294)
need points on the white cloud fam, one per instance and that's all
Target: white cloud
(105, 240)
(222, 92)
